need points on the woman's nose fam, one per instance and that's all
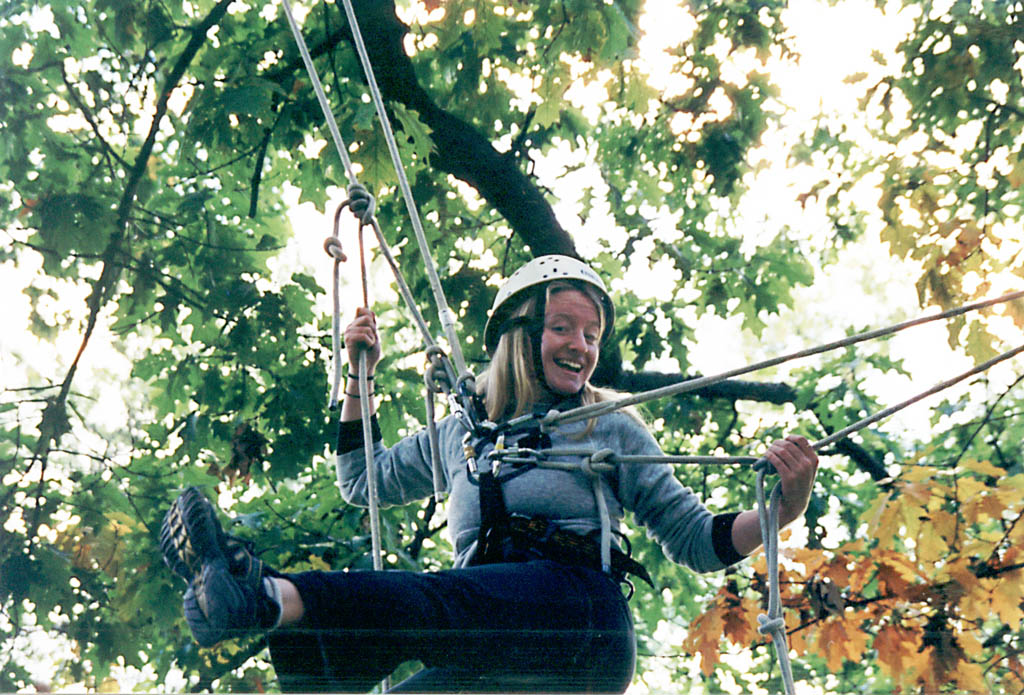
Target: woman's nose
(578, 340)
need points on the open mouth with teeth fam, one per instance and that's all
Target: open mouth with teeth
(574, 367)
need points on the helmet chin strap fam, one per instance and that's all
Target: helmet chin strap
(535, 329)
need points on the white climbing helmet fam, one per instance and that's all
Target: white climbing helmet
(539, 271)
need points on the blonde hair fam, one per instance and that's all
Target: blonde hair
(510, 386)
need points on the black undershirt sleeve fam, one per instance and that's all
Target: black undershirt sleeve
(721, 538)
(350, 435)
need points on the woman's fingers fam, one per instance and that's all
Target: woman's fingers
(361, 335)
(797, 464)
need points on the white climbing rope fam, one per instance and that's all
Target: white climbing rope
(597, 409)
(595, 462)
(334, 249)
(445, 314)
(772, 623)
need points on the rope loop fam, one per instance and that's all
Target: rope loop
(332, 245)
(465, 384)
(438, 373)
(436, 379)
(587, 465)
(767, 625)
(361, 202)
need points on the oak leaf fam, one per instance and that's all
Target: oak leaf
(829, 643)
(703, 638)
(740, 622)
(897, 649)
(1006, 599)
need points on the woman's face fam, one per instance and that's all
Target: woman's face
(570, 343)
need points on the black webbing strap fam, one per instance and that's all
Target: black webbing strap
(493, 520)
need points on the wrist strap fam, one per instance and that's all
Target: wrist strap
(369, 377)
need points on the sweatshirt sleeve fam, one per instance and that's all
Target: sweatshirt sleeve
(404, 471)
(673, 515)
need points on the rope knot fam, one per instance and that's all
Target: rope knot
(599, 456)
(437, 376)
(332, 245)
(768, 625)
(361, 202)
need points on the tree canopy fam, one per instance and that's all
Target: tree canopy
(145, 158)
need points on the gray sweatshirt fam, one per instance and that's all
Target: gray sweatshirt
(671, 513)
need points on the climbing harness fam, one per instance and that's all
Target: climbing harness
(456, 383)
(594, 463)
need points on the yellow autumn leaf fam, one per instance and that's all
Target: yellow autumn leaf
(1006, 599)
(739, 622)
(970, 644)
(975, 604)
(1014, 481)
(921, 493)
(856, 640)
(930, 547)
(895, 646)
(1009, 497)
(981, 507)
(838, 571)
(945, 524)
(884, 521)
(970, 678)
(970, 487)
(810, 558)
(983, 468)
(862, 572)
(896, 572)
(796, 637)
(830, 643)
(109, 685)
(959, 571)
(917, 474)
(318, 563)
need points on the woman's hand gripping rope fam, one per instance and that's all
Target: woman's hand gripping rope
(363, 206)
(796, 462)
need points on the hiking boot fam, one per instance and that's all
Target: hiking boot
(192, 534)
(226, 593)
(218, 607)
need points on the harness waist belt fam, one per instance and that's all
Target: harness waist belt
(547, 540)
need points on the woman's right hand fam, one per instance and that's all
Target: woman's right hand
(362, 335)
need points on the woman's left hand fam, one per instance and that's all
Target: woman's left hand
(797, 464)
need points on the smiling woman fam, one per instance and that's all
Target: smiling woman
(533, 602)
(569, 348)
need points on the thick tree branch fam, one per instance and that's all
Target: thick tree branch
(739, 390)
(55, 420)
(460, 149)
(731, 389)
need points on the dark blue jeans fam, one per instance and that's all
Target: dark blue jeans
(536, 626)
